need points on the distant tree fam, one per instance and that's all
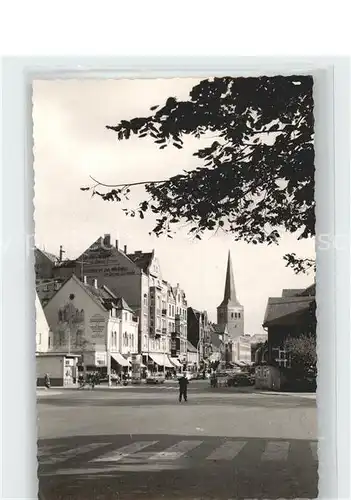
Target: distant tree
(255, 180)
(303, 352)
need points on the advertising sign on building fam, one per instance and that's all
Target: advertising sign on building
(175, 345)
(97, 324)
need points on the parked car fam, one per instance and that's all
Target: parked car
(155, 378)
(241, 379)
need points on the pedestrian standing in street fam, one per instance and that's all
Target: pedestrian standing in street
(183, 388)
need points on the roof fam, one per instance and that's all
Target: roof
(66, 263)
(142, 260)
(122, 305)
(218, 329)
(53, 258)
(310, 291)
(215, 340)
(298, 292)
(191, 348)
(292, 292)
(281, 307)
(101, 295)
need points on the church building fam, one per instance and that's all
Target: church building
(230, 313)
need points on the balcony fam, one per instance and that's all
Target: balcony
(164, 312)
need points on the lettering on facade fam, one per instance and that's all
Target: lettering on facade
(110, 271)
(97, 325)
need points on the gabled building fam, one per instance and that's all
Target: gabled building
(290, 315)
(45, 263)
(93, 323)
(42, 328)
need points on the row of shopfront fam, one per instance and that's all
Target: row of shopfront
(64, 368)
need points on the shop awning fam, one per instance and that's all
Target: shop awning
(175, 362)
(119, 359)
(161, 360)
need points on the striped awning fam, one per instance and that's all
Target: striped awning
(161, 360)
(119, 359)
(175, 362)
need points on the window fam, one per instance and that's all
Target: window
(145, 299)
(169, 310)
(281, 357)
(232, 315)
(49, 343)
(39, 338)
(238, 315)
(126, 316)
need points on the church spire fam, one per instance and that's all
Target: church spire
(230, 297)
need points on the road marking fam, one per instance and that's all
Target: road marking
(47, 450)
(65, 455)
(276, 450)
(112, 470)
(314, 450)
(176, 451)
(125, 451)
(227, 451)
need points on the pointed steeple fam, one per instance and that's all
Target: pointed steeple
(230, 297)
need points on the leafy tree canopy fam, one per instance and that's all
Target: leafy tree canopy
(303, 352)
(255, 180)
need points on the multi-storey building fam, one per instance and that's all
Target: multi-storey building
(90, 321)
(199, 332)
(180, 321)
(137, 276)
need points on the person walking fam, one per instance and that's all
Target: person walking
(183, 388)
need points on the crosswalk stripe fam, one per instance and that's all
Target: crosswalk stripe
(276, 450)
(125, 451)
(45, 451)
(314, 450)
(65, 455)
(227, 451)
(176, 451)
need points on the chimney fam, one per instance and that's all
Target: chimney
(107, 240)
(95, 283)
(116, 244)
(125, 249)
(85, 281)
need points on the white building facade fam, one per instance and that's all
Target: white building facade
(93, 323)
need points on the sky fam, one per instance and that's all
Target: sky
(71, 143)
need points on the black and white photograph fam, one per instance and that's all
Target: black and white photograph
(175, 275)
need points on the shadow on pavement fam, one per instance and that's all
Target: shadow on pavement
(176, 467)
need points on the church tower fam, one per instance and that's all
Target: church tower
(231, 313)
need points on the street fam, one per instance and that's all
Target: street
(141, 443)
